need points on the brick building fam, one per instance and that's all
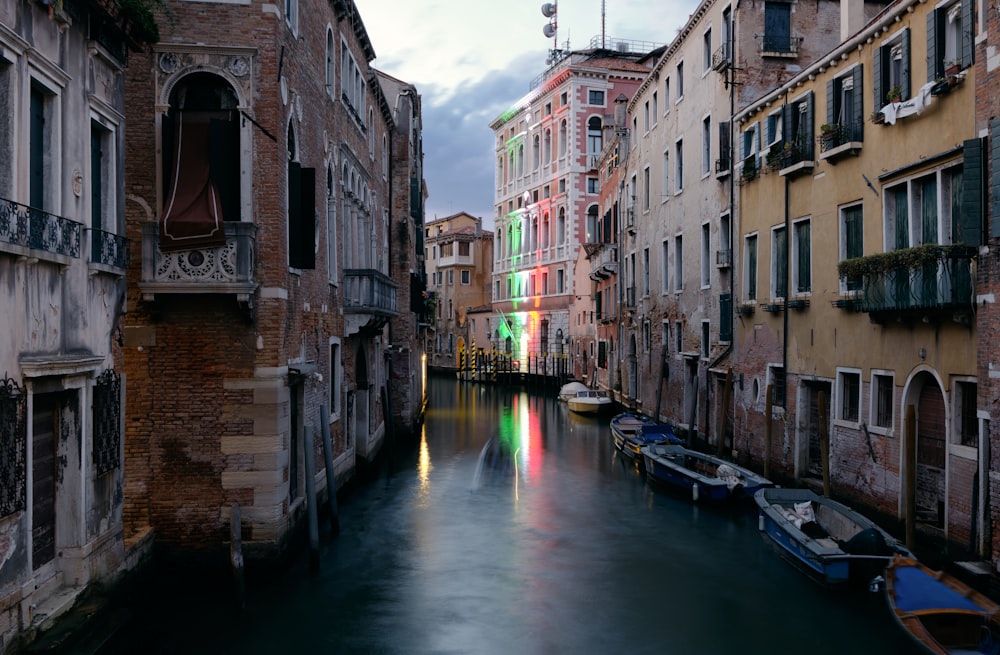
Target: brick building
(260, 185)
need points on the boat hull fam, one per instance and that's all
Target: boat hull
(631, 432)
(942, 614)
(839, 548)
(692, 472)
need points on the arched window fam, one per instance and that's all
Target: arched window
(200, 133)
(591, 224)
(561, 227)
(330, 61)
(547, 147)
(301, 189)
(563, 138)
(536, 152)
(594, 136)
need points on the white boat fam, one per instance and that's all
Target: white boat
(590, 401)
(570, 389)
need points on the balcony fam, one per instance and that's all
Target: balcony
(921, 281)
(37, 234)
(837, 141)
(720, 58)
(724, 258)
(227, 269)
(630, 297)
(779, 46)
(603, 260)
(109, 251)
(369, 299)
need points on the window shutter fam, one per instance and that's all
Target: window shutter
(724, 149)
(831, 111)
(857, 112)
(994, 185)
(294, 212)
(907, 81)
(970, 220)
(224, 158)
(809, 129)
(967, 45)
(786, 125)
(308, 219)
(933, 67)
(726, 317)
(879, 91)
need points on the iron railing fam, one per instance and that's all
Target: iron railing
(945, 283)
(13, 439)
(109, 249)
(107, 422)
(33, 228)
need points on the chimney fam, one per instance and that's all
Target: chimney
(852, 18)
(620, 106)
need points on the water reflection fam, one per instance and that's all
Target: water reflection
(513, 527)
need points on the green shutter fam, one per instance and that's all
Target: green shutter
(809, 129)
(857, 128)
(994, 178)
(970, 219)
(781, 263)
(907, 82)
(967, 46)
(831, 111)
(726, 317)
(877, 74)
(934, 64)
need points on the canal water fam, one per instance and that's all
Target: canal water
(513, 526)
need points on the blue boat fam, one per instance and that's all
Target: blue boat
(630, 432)
(827, 540)
(941, 613)
(700, 474)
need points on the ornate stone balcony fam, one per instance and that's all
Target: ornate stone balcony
(369, 299)
(227, 269)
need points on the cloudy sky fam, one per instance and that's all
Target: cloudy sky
(471, 59)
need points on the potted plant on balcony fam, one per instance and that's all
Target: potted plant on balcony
(895, 94)
(877, 117)
(789, 154)
(749, 169)
(831, 135)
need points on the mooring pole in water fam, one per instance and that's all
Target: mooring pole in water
(767, 431)
(824, 442)
(331, 478)
(236, 555)
(727, 394)
(311, 498)
(910, 471)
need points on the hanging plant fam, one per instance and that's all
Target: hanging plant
(904, 259)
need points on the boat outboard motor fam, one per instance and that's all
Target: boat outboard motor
(867, 542)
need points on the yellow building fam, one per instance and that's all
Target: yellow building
(860, 209)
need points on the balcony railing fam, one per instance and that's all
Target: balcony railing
(109, 249)
(227, 269)
(779, 45)
(922, 278)
(36, 230)
(603, 260)
(720, 58)
(366, 291)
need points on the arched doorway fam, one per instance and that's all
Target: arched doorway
(924, 393)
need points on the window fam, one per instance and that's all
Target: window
(331, 227)
(646, 192)
(666, 175)
(778, 28)
(353, 89)
(466, 277)
(664, 267)
(655, 110)
(42, 158)
(706, 256)
(750, 267)
(666, 94)
(560, 281)
(797, 124)
(645, 117)
(707, 50)
(562, 139)
(301, 210)
(802, 257)
(463, 249)
(646, 337)
(645, 271)
(892, 68)
(678, 263)
(680, 81)
(772, 129)
(331, 56)
(966, 421)
(103, 173)
(776, 379)
(749, 149)
(679, 165)
(595, 97)
(561, 227)
(547, 148)
(706, 145)
(706, 339)
(592, 185)
(844, 106)
(851, 241)
(595, 137)
(949, 38)
(883, 401)
(924, 210)
(292, 14)
(779, 263)
(848, 395)
(678, 338)
(536, 152)
(336, 377)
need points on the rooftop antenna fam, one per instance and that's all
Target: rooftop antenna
(549, 10)
(602, 23)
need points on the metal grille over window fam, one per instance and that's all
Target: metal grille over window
(13, 473)
(107, 422)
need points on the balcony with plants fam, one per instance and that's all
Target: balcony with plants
(923, 282)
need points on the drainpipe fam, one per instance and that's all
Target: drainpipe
(788, 289)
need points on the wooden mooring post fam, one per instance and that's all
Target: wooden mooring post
(824, 442)
(768, 395)
(236, 556)
(331, 477)
(312, 515)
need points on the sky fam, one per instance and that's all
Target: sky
(472, 59)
